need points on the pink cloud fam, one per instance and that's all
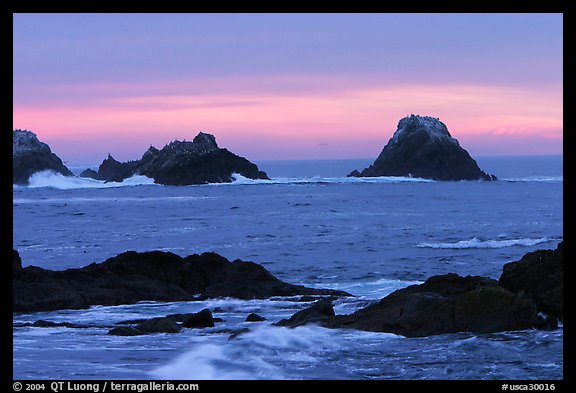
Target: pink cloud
(284, 118)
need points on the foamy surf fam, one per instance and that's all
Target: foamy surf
(241, 180)
(56, 180)
(489, 243)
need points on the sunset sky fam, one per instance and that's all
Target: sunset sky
(286, 86)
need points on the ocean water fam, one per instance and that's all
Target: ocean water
(309, 225)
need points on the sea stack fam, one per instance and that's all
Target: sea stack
(181, 163)
(29, 156)
(422, 147)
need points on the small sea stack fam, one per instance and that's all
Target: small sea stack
(422, 147)
(30, 155)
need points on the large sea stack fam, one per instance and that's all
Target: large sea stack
(181, 163)
(422, 147)
(29, 156)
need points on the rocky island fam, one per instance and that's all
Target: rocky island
(29, 156)
(422, 147)
(181, 163)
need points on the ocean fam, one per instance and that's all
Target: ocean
(309, 225)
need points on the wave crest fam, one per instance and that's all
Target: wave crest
(490, 243)
(56, 180)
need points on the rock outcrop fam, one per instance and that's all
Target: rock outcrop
(538, 275)
(528, 295)
(181, 163)
(446, 304)
(422, 147)
(131, 277)
(29, 156)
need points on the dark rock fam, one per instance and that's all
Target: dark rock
(159, 325)
(200, 319)
(91, 173)
(16, 260)
(131, 277)
(125, 331)
(539, 275)
(254, 318)
(48, 324)
(445, 304)
(422, 147)
(29, 156)
(182, 163)
(318, 312)
(112, 170)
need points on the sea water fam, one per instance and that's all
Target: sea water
(310, 225)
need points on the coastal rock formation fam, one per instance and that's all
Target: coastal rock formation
(29, 156)
(445, 304)
(422, 147)
(181, 163)
(539, 276)
(131, 277)
(528, 295)
(319, 312)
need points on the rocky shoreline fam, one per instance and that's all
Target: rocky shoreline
(132, 277)
(528, 295)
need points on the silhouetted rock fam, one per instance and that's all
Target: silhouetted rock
(159, 325)
(422, 147)
(318, 312)
(445, 304)
(252, 317)
(182, 163)
(539, 275)
(125, 331)
(29, 156)
(16, 260)
(112, 170)
(200, 319)
(131, 277)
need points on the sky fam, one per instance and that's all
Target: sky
(286, 86)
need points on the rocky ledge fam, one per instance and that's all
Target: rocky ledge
(29, 156)
(181, 163)
(528, 295)
(422, 147)
(131, 277)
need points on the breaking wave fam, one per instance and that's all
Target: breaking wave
(239, 179)
(489, 243)
(56, 180)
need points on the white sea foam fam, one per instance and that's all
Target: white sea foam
(56, 180)
(489, 243)
(254, 355)
(240, 180)
(543, 179)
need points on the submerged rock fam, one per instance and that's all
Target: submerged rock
(30, 156)
(181, 163)
(131, 277)
(422, 147)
